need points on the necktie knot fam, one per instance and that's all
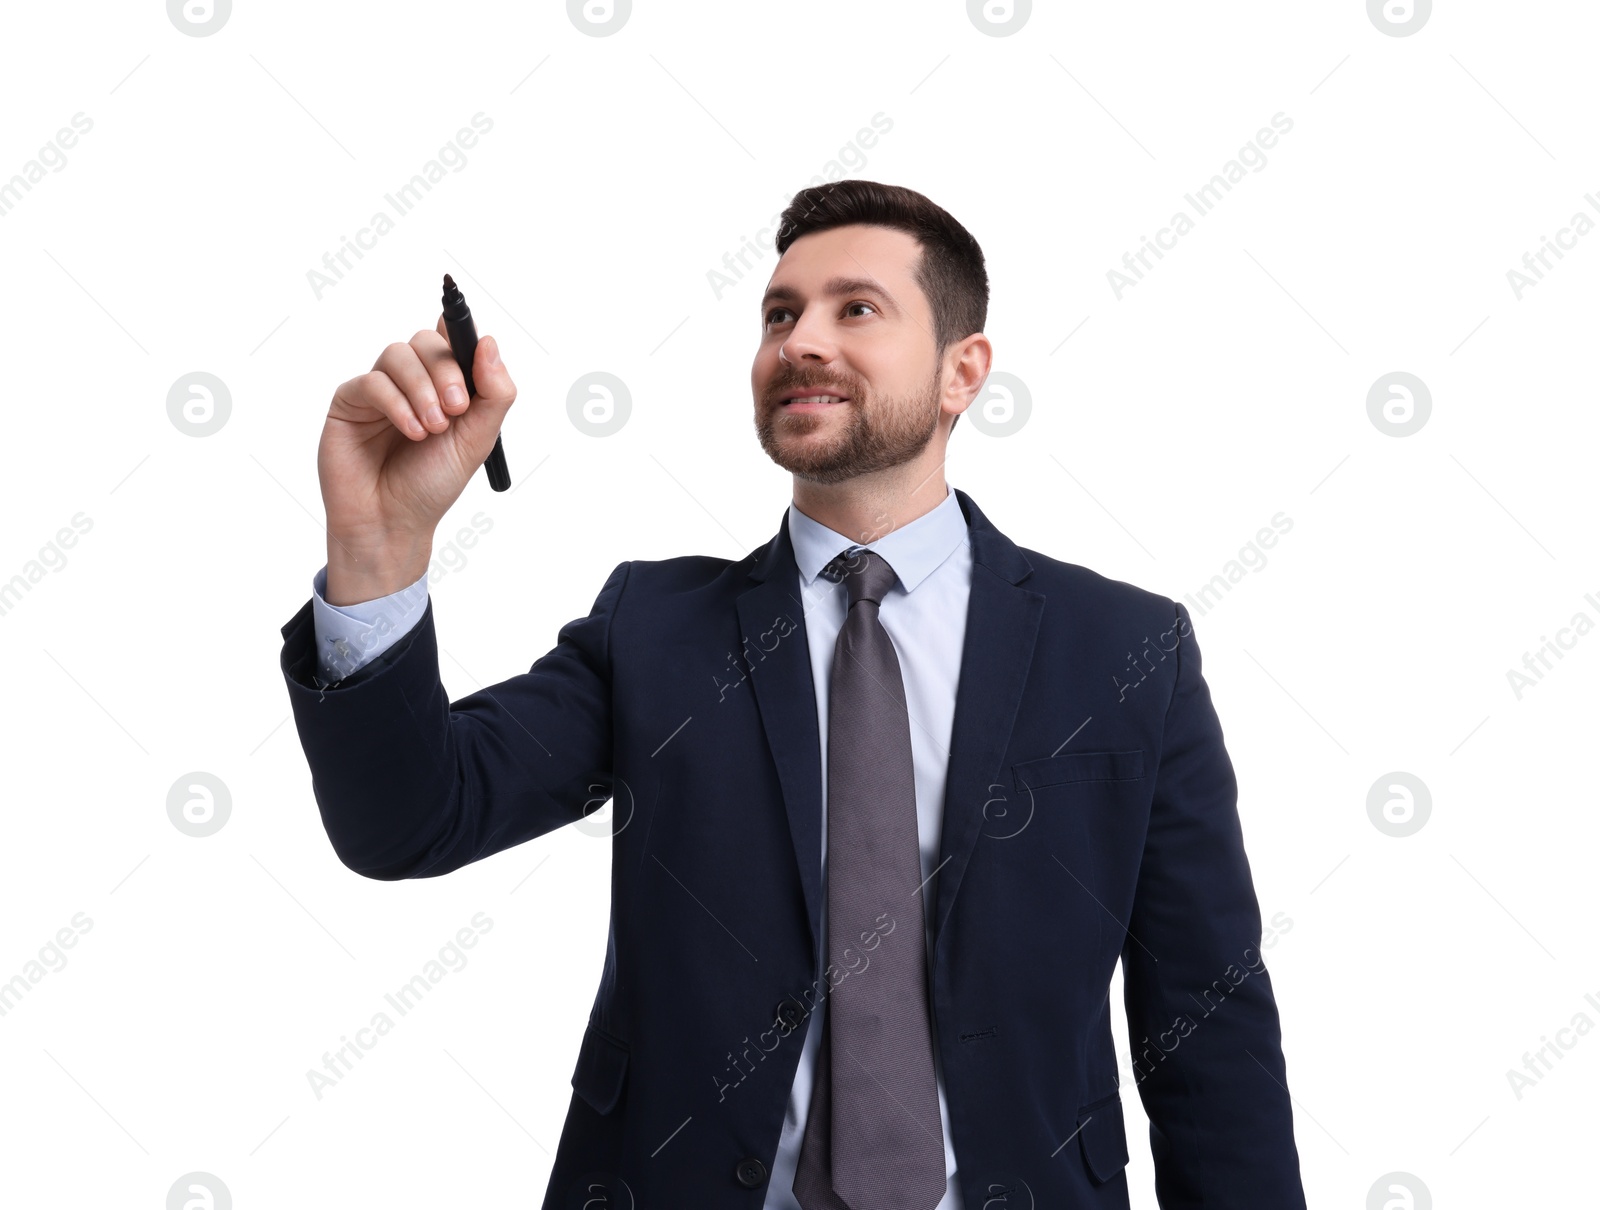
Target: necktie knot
(866, 574)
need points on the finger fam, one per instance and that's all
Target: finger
(453, 406)
(405, 368)
(502, 390)
(449, 383)
(375, 391)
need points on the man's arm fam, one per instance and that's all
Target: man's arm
(412, 785)
(1201, 1016)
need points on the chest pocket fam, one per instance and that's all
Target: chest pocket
(1068, 767)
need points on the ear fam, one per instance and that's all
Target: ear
(967, 364)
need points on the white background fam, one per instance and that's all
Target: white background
(1166, 428)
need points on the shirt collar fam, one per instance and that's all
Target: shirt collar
(914, 550)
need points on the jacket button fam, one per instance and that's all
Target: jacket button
(791, 1012)
(750, 1172)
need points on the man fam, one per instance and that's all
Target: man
(880, 863)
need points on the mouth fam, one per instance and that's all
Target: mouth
(812, 403)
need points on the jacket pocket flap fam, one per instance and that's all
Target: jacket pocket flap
(1078, 766)
(1104, 1140)
(602, 1063)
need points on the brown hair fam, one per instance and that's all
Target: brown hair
(950, 273)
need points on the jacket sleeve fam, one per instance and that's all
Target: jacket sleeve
(412, 785)
(1203, 1025)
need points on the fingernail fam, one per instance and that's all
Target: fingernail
(493, 356)
(435, 416)
(454, 395)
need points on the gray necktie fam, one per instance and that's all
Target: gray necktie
(873, 1140)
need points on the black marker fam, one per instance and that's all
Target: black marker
(464, 343)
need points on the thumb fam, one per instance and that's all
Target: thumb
(490, 378)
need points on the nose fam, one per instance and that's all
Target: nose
(805, 344)
(793, 352)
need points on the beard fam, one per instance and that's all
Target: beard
(872, 434)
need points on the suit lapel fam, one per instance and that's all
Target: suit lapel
(787, 700)
(1002, 624)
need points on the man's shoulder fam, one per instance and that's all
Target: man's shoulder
(1057, 575)
(1083, 589)
(685, 573)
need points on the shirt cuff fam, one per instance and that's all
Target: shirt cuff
(350, 636)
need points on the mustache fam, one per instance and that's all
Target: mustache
(776, 392)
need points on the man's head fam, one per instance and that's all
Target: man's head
(879, 297)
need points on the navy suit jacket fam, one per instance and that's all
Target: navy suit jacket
(1090, 816)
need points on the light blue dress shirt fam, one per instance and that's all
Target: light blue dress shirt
(925, 615)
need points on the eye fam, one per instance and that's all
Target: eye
(860, 304)
(776, 311)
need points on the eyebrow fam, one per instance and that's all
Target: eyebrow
(833, 289)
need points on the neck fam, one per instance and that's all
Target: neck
(869, 506)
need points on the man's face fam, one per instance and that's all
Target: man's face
(843, 316)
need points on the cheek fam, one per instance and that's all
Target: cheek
(886, 378)
(765, 364)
